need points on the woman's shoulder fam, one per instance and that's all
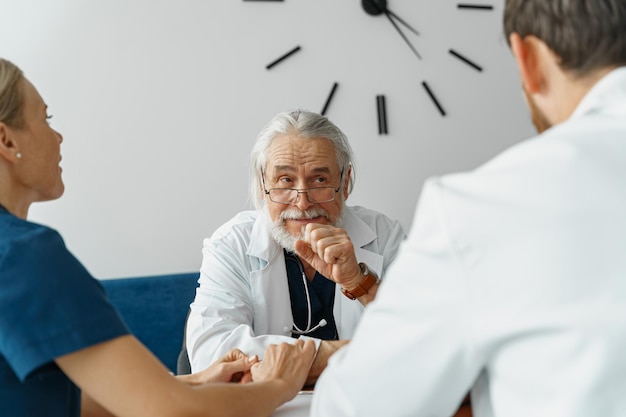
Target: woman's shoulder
(26, 240)
(18, 231)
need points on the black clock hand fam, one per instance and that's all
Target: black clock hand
(408, 42)
(409, 27)
(378, 7)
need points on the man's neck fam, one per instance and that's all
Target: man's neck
(569, 91)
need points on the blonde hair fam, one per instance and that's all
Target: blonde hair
(10, 94)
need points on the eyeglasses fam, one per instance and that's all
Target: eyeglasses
(290, 195)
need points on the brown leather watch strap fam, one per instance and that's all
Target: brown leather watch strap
(370, 279)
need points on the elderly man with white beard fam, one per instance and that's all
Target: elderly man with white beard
(303, 264)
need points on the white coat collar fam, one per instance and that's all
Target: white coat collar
(608, 94)
(262, 245)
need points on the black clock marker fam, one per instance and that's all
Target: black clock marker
(382, 115)
(466, 60)
(475, 6)
(282, 58)
(433, 98)
(330, 97)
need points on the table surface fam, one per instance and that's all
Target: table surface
(298, 407)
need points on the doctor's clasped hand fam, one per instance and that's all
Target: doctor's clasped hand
(330, 252)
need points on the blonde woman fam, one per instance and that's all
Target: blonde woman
(64, 351)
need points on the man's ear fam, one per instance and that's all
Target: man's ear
(8, 147)
(526, 53)
(346, 183)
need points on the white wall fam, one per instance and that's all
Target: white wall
(159, 102)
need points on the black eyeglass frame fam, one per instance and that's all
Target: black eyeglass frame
(301, 191)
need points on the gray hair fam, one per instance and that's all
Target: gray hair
(11, 100)
(304, 124)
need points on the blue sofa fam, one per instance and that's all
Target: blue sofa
(155, 309)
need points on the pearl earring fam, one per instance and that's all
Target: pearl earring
(18, 155)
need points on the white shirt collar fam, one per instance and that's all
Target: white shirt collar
(607, 95)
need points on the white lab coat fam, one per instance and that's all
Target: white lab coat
(243, 298)
(512, 280)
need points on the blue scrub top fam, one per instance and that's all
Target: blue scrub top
(49, 306)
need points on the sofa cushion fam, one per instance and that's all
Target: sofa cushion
(155, 308)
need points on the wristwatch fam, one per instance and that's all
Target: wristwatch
(370, 279)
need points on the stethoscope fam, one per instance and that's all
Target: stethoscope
(295, 329)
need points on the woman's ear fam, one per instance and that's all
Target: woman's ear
(8, 148)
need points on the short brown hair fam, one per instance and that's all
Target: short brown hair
(585, 34)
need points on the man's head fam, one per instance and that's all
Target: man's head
(586, 35)
(301, 169)
(563, 47)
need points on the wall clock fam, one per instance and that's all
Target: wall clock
(409, 34)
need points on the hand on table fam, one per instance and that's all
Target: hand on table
(233, 367)
(287, 363)
(326, 349)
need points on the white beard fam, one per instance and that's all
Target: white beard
(285, 239)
